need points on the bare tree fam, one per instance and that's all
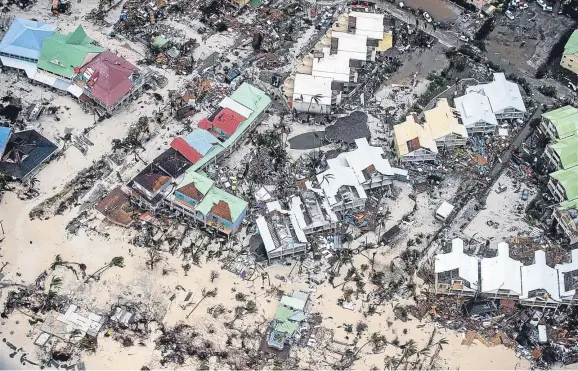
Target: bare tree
(214, 275)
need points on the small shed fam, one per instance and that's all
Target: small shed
(444, 211)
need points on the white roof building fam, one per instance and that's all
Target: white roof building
(351, 46)
(466, 265)
(335, 67)
(568, 276)
(362, 158)
(369, 24)
(501, 273)
(474, 108)
(539, 276)
(338, 180)
(280, 232)
(503, 94)
(312, 211)
(308, 88)
(362, 168)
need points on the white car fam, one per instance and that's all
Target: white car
(427, 17)
(509, 14)
(523, 6)
(547, 8)
(464, 38)
(541, 2)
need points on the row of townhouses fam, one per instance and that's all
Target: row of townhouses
(502, 277)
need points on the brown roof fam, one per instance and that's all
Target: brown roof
(301, 184)
(116, 207)
(190, 190)
(151, 181)
(221, 209)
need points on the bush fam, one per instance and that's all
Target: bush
(451, 52)
(541, 71)
(480, 45)
(548, 91)
(485, 29)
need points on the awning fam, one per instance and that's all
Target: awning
(28, 67)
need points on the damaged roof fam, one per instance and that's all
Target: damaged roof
(539, 276)
(116, 207)
(112, 77)
(224, 119)
(501, 93)
(152, 178)
(172, 162)
(24, 38)
(61, 54)
(456, 259)
(25, 152)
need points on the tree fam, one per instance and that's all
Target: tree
(117, 261)
(154, 256)
(214, 275)
(315, 98)
(205, 294)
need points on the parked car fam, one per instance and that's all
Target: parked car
(509, 14)
(523, 6)
(525, 195)
(427, 17)
(541, 2)
(547, 8)
(464, 38)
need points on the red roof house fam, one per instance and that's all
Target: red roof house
(186, 150)
(223, 122)
(108, 78)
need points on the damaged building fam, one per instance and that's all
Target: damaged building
(351, 173)
(280, 232)
(322, 77)
(417, 141)
(501, 277)
(23, 153)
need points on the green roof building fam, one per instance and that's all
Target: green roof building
(564, 184)
(570, 55)
(560, 123)
(61, 54)
(564, 153)
(222, 210)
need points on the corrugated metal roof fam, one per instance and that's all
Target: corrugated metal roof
(202, 141)
(111, 77)
(24, 38)
(564, 119)
(311, 89)
(217, 196)
(568, 179)
(567, 150)
(501, 93)
(539, 276)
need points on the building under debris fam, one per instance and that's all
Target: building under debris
(501, 277)
(415, 140)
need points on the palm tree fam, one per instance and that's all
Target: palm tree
(326, 177)
(117, 261)
(314, 98)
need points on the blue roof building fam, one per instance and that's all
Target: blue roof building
(202, 141)
(24, 39)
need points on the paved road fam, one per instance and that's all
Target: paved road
(499, 166)
(444, 38)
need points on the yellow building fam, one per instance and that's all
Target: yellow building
(570, 57)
